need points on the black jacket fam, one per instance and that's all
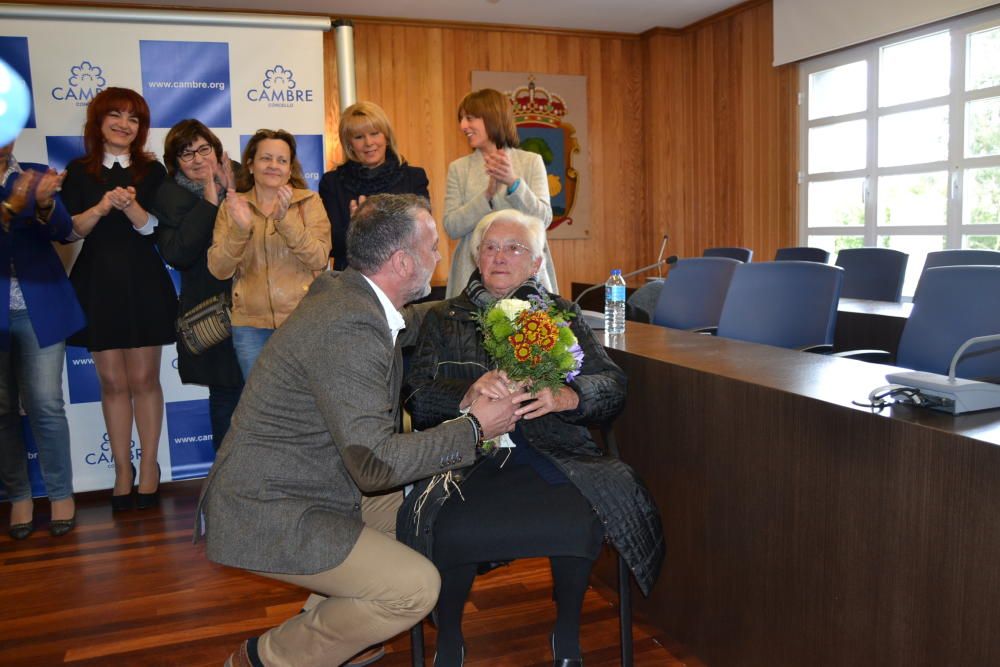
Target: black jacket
(337, 196)
(434, 390)
(184, 234)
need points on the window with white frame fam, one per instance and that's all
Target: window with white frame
(900, 143)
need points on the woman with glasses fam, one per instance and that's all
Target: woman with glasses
(553, 494)
(496, 175)
(122, 284)
(187, 203)
(272, 237)
(372, 166)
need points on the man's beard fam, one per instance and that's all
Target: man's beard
(421, 289)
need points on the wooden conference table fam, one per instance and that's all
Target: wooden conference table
(801, 530)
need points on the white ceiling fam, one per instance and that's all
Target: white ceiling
(629, 16)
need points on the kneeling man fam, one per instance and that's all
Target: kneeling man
(292, 495)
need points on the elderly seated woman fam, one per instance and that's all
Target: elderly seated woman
(554, 494)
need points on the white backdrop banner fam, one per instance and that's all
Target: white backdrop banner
(234, 78)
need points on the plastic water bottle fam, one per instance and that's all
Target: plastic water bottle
(614, 303)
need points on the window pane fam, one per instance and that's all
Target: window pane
(913, 137)
(837, 91)
(917, 69)
(836, 203)
(834, 244)
(981, 242)
(983, 61)
(838, 147)
(913, 199)
(981, 197)
(917, 248)
(982, 127)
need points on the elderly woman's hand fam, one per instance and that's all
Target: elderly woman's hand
(546, 401)
(492, 385)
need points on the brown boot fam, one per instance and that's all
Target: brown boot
(367, 657)
(240, 657)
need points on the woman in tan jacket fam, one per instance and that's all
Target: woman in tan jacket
(272, 238)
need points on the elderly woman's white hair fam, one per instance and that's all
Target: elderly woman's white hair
(531, 224)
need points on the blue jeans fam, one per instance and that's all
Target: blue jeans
(36, 375)
(248, 342)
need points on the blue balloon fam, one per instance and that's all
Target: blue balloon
(15, 104)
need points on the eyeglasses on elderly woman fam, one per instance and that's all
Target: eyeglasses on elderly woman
(492, 248)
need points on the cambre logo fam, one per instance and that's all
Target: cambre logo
(279, 89)
(84, 82)
(102, 456)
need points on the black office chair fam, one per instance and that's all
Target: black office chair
(802, 254)
(693, 293)
(786, 304)
(624, 591)
(739, 254)
(873, 273)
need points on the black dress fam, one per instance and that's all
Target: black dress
(351, 180)
(119, 278)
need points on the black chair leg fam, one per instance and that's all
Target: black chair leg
(417, 644)
(625, 611)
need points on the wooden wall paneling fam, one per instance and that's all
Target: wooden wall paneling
(419, 73)
(732, 162)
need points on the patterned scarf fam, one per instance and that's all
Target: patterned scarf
(360, 180)
(197, 188)
(477, 293)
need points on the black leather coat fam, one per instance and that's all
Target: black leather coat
(434, 388)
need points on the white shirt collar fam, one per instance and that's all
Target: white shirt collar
(392, 316)
(125, 160)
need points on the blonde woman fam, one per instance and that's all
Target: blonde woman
(372, 166)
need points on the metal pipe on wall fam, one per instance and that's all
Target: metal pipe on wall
(343, 32)
(162, 16)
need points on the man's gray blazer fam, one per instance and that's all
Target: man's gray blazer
(316, 427)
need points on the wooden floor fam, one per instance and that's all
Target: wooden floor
(134, 590)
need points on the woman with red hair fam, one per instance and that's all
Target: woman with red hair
(122, 283)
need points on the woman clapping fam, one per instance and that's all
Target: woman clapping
(272, 237)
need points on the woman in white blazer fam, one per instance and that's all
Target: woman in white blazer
(496, 175)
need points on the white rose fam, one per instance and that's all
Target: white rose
(513, 307)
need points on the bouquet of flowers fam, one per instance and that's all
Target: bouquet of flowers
(531, 341)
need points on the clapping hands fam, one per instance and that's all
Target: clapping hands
(499, 169)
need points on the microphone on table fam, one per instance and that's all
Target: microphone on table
(655, 265)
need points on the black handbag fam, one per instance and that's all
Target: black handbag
(206, 324)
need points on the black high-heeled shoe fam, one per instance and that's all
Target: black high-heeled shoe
(59, 527)
(20, 531)
(145, 501)
(124, 502)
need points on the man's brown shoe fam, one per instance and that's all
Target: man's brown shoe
(239, 658)
(367, 657)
